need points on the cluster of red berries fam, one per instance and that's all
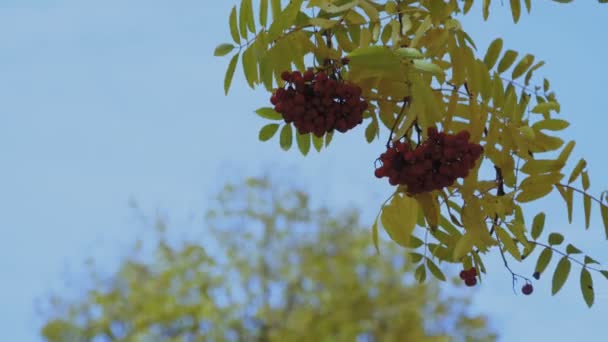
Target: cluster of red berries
(469, 276)
(318, 103)
(433, 165)
(527, 289)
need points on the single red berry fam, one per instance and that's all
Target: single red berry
(286, 76)
(470, 281)
(472, 272)
(463, 275)
(527, 289)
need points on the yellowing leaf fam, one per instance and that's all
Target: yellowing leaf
(463, 246)
(435, 271)
(409, 52)
(230, 72)
(567, 196)
(399, 218)
(427, 66)
(263, 12)
(250, 66)
(508, 243)
(430, 207)
(551, 124)
(506, 61)
(269, 113)
(546, 107)
(560, 275)
(537, 225)
(565, 153)
(538, 166)
(577, 170)
(234, 30)
(375, 236)
(323, 23)
(523, 64)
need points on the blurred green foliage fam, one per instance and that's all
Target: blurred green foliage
(279, 271)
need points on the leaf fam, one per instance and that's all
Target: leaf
(577, 170)
(463, 246)
(435, 271)
(604, 211)
(515, 10)
(551, 124)
(284, 19)
(427, 66)
(565, 153)
(430, 206)
(303, 141)
(268, 131)
(590, 260)
(493, 52)
(560, 275)
(486, 9)
(587, 286)
(399, 218)
(537, 225)
(275, 5)
(604, 273)
(567, 196)
(243, 17)
(250, 66)
(528, 5)
(523, 64)
(543, 260)
(234, 30)
(409, 52)
(317, 142)
(415, 257)
(555, 239)
(420, 273)
(508, 243)
(371, 131)
(587, 207)
(286, 137)
(506, 61)
(269, 113)
(375, 236)
(546, 107)
(570, 249)
(230, 72)
(263, 12)
(328, 137)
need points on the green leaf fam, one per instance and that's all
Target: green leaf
(570, 249)
(435, 271)
(420, 273)
(268, 131)
(506, 61)
(243, 18)
(587, 207)
(551, 124)
(303, 141)
(523, 64)
(493, 52)
(230, 72)
(604, 273)
(371, 131)
(263, 12)
(285, 19)
(317, 142)
(275, 5)
(555, 239)
(543, 260)
(234, 30)
(328, 138)
(604, 211)
(567, 196)
(269, 113)
(528, 5)
(585, 180)
(286, 138)
(546, 107)
(587, 286)
(399, 218)
(590, 260)
(415, 257)
(560, 275)
(515, 10)
(537, 225)
(486, 9)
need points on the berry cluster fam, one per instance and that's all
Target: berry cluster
(527, 289)
(469, 276)
(318, 103)
(433, 165)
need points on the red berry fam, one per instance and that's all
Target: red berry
(463, 274)
(286, 76)
(527, 289)
(470, 281)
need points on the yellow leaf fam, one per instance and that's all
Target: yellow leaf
(508, 243)
(523, 64)
(546, 107)
(565, 153)
(538, 166)
(463, 246)
(551, 124)
(430, 207)
(506, 61)
(577, 170)
(375, 236)
(567, 195)
(515, 10)
(250, 67)
(323, 23)
(399, 218)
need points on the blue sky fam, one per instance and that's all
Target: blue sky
(103, 102)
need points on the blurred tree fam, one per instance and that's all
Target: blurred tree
(279, 271)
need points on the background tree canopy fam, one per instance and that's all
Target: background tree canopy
(275, 269)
